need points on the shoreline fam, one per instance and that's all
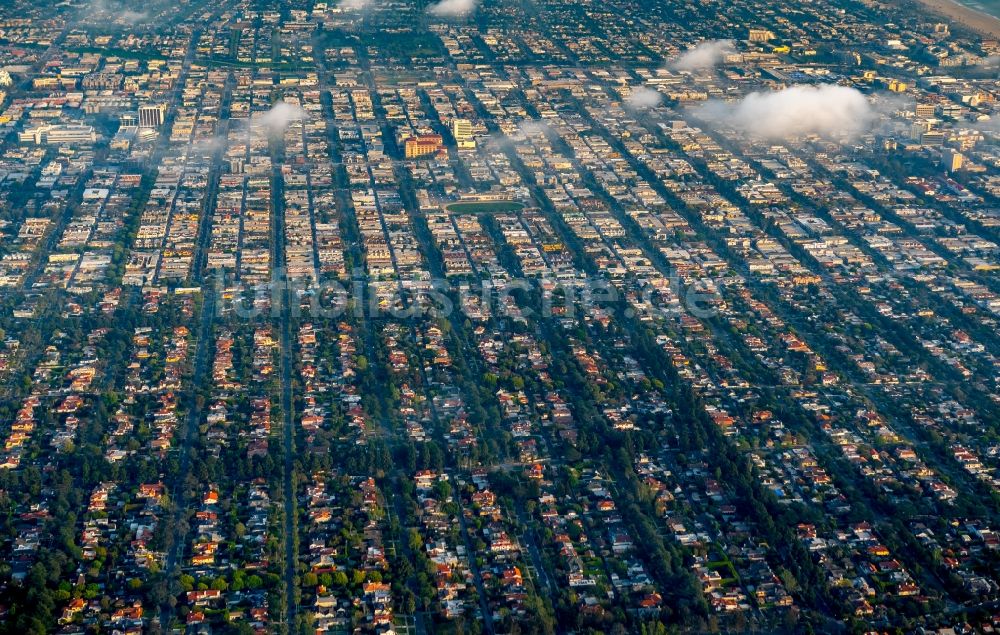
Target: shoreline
(982, 23)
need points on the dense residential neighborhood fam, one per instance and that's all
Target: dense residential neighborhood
(499, 316)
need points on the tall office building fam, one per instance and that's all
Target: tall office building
(464, 135)
(152, 116)
(953, 160)
(925, 111)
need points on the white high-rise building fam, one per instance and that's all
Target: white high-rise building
(152, 116)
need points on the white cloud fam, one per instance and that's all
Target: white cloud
(704, 55)
(532, 127)
(93, 8)
(207, 147)
(643, 98)
(133, 17)
(105, 11)
(357, 5)
(453, 8)
(828, 110)
(987, 124)
(525, 129)
(279, 117)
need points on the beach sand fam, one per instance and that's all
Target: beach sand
(981, 23)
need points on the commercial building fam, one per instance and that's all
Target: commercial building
(760, 35)
(423, 146)
(463, 132)
(129, 120)
(47, 134)
(152, 116)
(954, 160)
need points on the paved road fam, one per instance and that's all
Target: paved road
(287, 405)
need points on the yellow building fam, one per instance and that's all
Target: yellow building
(760, 35)
(954, 160)
(416, 147)
(464, 135)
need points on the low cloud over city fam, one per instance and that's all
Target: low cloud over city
(279, 117)
(826, 110)
(642, 98)
(453, 8)
(703, 56)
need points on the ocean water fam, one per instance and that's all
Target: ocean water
(992, 7)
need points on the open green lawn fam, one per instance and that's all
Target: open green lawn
(485, 207)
